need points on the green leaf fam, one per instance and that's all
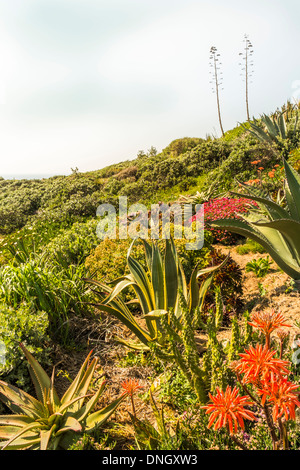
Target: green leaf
(292, 191)
(99, 417)
(41, 381)
(170, 277)
(45, 437)
(21, 402)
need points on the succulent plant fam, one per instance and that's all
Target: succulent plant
(276, 225)
(49, 422)
(157, 290)
(278, 126)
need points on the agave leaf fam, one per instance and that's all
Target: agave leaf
(69, 394)
(121, 285)
(155, 314)
(141, 334)
(71, 424)
(21, 402)
(248, 231)
(45, 436)
(29, 427)
(259, 133)
(99, 417)
(292, 191)
(136, 346)
(148, 253)
(170, 276)
(282, 126)
(40, 379)
(271, 126)
(157, 278)
(290, 229)
(274, 210)
(193, 290)
(15, 420)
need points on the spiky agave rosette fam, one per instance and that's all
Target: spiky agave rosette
(49, 421)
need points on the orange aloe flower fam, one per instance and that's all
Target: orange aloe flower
(258, 363)
(228, 410)
(131, 386)
(281, 393)
(267, 322)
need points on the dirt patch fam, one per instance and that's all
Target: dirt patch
(275, 293)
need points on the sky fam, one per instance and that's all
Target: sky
(89, 83)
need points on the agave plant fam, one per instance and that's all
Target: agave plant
(48, 422)
(276, 226)
(157, 291)
(275, 128)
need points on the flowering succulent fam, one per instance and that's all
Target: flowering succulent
(281, 394)
(267, 322)
(228, 410)
(131, 386)
(258, 363)
(220, 208)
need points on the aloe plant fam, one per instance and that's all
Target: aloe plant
(157, 291)
(276, 226)
(49, 422)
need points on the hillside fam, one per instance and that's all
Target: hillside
(156, 316)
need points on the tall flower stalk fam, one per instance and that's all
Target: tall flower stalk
(247, 70)
(216, 79)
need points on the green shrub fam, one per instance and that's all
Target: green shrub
(250, 246)
(73, 245)
(22, 324)
(58, 291)
(108, 260)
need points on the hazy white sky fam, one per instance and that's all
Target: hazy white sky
(87, 83)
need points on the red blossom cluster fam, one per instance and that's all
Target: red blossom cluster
(270, 388)
(225, 208)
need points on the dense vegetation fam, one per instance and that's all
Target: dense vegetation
(54, 268)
